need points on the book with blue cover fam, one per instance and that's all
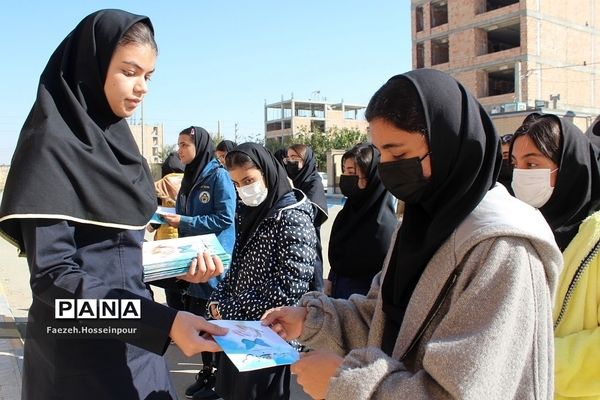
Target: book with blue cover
(251, 345)
(172, 257)
(156, 217)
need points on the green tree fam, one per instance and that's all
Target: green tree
(165, 151)
(321, 143)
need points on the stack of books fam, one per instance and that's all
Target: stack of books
(172, 257)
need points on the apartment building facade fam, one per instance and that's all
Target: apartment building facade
(286, 118)
(149, 139)
(515, 56)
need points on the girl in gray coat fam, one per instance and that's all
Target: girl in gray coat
(462, 308)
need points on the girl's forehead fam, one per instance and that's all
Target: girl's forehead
(185, 138)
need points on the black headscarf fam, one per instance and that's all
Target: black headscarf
(226, 146)
(576, 194)
(205, 152)
(593, 132)
(465, 162)
(277, 184)
(280, 155)
(367, 221)
(309, 181)
(172, 164)
(75, 159)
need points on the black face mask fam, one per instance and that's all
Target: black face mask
(404, 178)
(506, 173)
(349, 184)
(292, 168)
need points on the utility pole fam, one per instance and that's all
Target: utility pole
(235, 133)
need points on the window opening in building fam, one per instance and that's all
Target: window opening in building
(440, 51)
(504, 38)
(317, 126)
(489, 5)
(419, 18)
(501, 82)
(420, 50)
(439, 13)
(273, 126)
(310, 110)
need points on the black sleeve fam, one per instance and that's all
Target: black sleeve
(55, 274)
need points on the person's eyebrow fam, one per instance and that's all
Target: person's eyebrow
(528, 155)
(392, 146)
(135, 65)
(243, 179)
(533, 155)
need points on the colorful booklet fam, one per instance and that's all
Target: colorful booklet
(172, 257)
(251, 345)
(156, 217)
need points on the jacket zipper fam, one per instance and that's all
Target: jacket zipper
(580, 270)
(433, 312)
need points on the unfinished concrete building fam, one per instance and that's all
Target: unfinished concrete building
(290, 117)
(515, 56)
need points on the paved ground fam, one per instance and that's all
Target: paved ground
(15, 299)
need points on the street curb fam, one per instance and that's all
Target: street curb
(11, 356)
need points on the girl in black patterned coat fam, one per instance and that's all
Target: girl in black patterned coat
(273, 262)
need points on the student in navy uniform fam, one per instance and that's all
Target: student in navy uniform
(76, 202)
(272, 263)
(205, 204)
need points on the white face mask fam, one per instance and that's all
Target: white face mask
(532, 185)
(253, 194)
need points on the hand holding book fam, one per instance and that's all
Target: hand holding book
(202, 268)
(251, 345)
(172, 219)
(157, 217)
(185, 329)
(193, 258)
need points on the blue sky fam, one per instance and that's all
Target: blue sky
(219, 60)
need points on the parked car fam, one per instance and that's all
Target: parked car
(323, 176)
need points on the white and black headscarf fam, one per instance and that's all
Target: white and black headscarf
(75, 159)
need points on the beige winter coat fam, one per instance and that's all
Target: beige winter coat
(478, 325)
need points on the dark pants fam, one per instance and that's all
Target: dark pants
(263, 384)
(174, 299)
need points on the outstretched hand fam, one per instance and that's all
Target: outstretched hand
(202, 268)
(287, 322)
(185, 332)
